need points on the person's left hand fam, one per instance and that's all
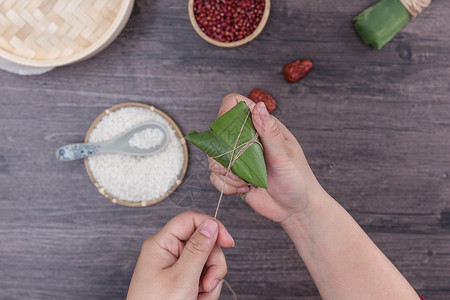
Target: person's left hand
(183, 260)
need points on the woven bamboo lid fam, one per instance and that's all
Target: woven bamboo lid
(50, 33)
(178, 134)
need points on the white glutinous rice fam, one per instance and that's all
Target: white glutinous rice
(146, 139)
(135, 178)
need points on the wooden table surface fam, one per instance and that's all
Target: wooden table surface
(375, 126)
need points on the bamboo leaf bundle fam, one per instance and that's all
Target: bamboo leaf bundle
(378, 24)
(219, 142)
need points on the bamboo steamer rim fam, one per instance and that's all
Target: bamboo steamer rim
(96, 47)
(238, 43)
(178, 133)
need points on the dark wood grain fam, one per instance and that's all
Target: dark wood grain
(375, 126)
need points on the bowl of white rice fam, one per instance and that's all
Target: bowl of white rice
(136, 181)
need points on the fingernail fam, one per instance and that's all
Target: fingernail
(208, 228)
(263, 113)
(234, 243)
(213, 285)
(232, 176)
(242, 189)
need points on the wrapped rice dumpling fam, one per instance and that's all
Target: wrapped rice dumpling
(218, 143)
(378, 24)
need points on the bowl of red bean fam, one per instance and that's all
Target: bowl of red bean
(229, 23)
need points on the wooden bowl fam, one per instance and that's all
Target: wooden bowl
(178, 133)
(244, 41)
(51, 33)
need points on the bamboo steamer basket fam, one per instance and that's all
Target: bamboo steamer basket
(238, 43)
(51, 33)
(179, 135)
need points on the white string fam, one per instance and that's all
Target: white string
(233, 160)
(230, 288)
(415, 7)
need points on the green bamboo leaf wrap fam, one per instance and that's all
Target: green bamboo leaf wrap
(250, 166)
(378, 24)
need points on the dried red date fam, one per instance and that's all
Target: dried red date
(296, 70)
(257, 95)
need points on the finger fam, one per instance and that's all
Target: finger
(228, 189)
(182, 226)
(216, 270)
(234, 183)
(196, 251)
(231, 100)
(286, 132)
(271, 134)
(217, 168)
(214, 295)
(260, 200)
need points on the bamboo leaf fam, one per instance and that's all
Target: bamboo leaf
(378, 24)
(250, 166)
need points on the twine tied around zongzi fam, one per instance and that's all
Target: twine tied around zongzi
(233, 160)
(415, 7)
(234, 157)
(243, 147)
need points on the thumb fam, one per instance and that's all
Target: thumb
(197, 250)
(270, 132)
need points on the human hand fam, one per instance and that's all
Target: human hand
(290, 179)
(343, 261)
(183, 260)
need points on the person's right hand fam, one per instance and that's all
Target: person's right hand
(290, 179)
(343, 261)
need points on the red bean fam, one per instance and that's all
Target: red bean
(228, 20)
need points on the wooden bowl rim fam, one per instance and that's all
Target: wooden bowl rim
(238, 43)
(105, 40)
(178, 133)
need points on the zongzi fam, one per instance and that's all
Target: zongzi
(378, 24)
(224, 134)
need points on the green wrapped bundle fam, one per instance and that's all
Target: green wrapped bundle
(378, 24)
(219, 142)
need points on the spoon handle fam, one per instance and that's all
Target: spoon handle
(77, 151)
